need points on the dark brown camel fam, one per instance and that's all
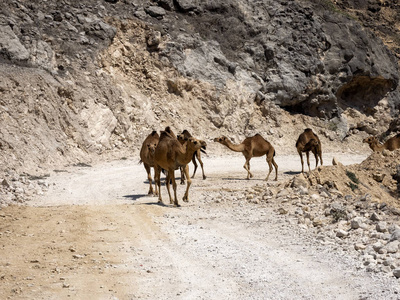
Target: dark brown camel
(309, 141)
(254, 146)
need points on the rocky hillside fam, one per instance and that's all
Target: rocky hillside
(88, 80)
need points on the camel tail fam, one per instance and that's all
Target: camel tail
(274, 153)
(140, 161)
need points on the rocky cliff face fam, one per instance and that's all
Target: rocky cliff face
(88, 78)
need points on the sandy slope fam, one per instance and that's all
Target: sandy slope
(96, 234)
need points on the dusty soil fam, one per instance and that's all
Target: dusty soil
(96, 234)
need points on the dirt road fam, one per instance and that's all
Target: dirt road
(97, 235)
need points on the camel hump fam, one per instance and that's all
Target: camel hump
(308, 130)
(164, 134)
(186, 132)
(154, 134)
(169, 131)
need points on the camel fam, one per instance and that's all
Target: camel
(391, 144)
(309, 141)
(170, 155)
(254, 146)
(197, 155)
(147, 157)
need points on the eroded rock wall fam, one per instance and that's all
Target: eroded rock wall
(88, 80)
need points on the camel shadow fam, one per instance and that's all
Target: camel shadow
(291, 173)
(159, 204)
(241, 179)
(135, 197)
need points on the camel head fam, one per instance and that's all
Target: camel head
(370, 140)
(222, 140)
(152, 148)
(196, 144)
(182, 139)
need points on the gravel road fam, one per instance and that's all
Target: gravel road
(96, 233)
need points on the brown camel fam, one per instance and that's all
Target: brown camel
(309, 141)
(197, 155)
(254, 146)
(147, 156)
(170, 155)
(391, 144)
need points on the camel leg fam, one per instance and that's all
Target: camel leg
(302, 162)
(188, 183)
(308, 160)
(270, 168)
(316, 159)
(320, 158)
(198, 155)
(175, 201)
(247, 167)
(148, 170)
(276, 168)
(157, 172)
(155, 185)
(182, 175)
(194, 163)
(271, 162)
(167, 182)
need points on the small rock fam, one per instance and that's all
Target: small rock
(317, 222)
(378, 177)
(282, 211)
(375, 217)
(5, 183)
(396, 273)
(356, 223)
(377, 246)
(392, 247)
(395, 235)
(359, 246)
(156, 11)
(299, 181)
(341, 233)
(381, 227)
(334, 161)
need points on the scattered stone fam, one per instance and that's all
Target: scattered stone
(396, 273)
(395, 235)
(299, 181)
(282, 211)
(356, 223)
(381, 227)
(359, 246)
(375, 217)
(377, 246)
(155, 11)
(392, 247)
(341, 233)
(378, 177)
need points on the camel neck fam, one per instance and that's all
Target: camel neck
(235, 147)
(377, 147)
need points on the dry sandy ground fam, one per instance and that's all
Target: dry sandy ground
(97, 235)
